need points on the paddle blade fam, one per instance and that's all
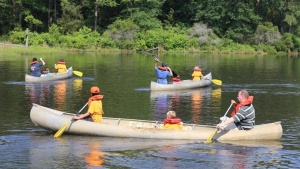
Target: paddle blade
(210, 138)
(217, 82)
(61, 130)
(78, 73)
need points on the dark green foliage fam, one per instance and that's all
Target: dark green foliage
(144, 24)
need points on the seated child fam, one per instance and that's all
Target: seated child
(176, 79)
(171, 122)
(197, 74)
(46, 72)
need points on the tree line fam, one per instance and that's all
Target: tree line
(206, 25)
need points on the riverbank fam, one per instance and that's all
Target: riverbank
(9, 49)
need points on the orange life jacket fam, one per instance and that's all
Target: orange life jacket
(244, 103)
(33, 62)
(62, 63)
(172, 121)
(96, 97)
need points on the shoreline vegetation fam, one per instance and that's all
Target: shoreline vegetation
(214, 27)
(10, 49)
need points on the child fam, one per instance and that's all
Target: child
(171, 122)
(61, 66)
(95, 110)
(46, 72)
(197, 75)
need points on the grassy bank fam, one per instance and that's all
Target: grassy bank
(7, 49)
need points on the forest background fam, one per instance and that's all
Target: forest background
(219, 26)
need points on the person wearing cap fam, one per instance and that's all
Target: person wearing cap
(61, 66)
(35, 67)
(197, 74)
(95, 110)
(162, 72)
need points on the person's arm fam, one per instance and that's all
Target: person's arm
(155, 64)
(41, 59)
(81, 116)
(224, 124)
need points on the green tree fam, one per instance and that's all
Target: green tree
(236, 20)
(143, 12)
(71, 19)
(123, 31)
(267, 33)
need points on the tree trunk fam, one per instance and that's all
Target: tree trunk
(96, 15)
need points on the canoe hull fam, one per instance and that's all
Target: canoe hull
(53, 77)
(184, 84)
(113, 127)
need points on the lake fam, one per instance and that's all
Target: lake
(124, 80)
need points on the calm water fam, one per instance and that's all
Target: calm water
(125, 81)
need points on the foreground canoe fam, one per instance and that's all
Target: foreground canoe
(116, 127)
(184, 84)
(52, 77)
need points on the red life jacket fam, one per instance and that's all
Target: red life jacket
(33, 62)
(162, 68)
(244, 103)
(96, 97)
(172, 121)
(176, 79)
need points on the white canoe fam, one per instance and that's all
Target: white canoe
(131, 128)
(184, 84)
(52, 77)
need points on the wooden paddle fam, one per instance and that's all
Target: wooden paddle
(64, 127)
(217, 82)
(78, 73)
(210, 138)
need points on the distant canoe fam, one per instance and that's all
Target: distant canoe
(52, 77)
(184, 84)
(131, 128)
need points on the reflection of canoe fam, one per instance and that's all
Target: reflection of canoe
(52, 77)
(206, 91)
(115, 127)
(184, 84)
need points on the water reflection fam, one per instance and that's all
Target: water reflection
(38, 93)
(163, 101)
(95, 156)
(60, 91)
(56, 92)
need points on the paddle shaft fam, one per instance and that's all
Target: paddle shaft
(226, 112)
(81, 109)
(209, 139)
(64, 127)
